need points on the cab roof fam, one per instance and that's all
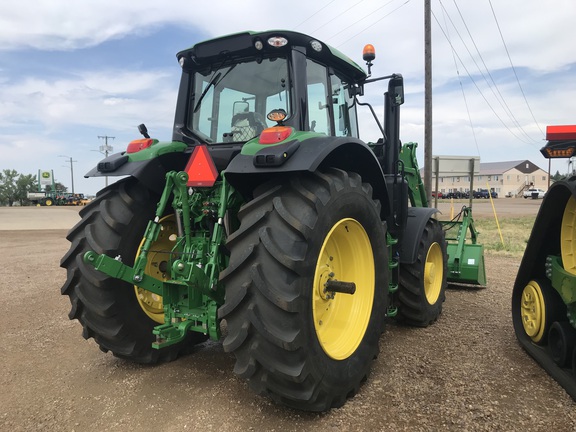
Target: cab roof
(243, 45)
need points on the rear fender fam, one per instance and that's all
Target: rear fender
(349, 154)
(150, 172)
(151, 164)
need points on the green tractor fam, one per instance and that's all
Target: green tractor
(265, 222)
(544, 294)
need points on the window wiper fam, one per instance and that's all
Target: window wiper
(210, 84)
(214, 81)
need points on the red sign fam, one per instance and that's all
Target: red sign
(200, 168)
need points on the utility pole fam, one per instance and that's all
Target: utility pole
(71, 162)
(105, 149)
(427, 101)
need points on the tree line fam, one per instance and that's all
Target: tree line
(14, 187)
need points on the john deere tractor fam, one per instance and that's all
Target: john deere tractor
(544, 295)
(265, 222)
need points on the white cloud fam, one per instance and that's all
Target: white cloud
(114, 99)
(108, 98)
(528, 26)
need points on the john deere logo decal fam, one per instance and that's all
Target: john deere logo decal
(46, 175)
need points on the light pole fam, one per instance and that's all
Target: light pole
(105, 149)
(71, 162)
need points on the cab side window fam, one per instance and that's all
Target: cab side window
(344, 111)
(318, 112)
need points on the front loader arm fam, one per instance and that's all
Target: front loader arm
(416, 191)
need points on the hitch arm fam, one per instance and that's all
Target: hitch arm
(116, 269)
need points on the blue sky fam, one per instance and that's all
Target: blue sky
(73, 71)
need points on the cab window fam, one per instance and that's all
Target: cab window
(318, 112)
(344, 110)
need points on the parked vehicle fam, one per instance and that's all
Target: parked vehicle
(484, 193)
(531, 193)
(437, 195)
(457, 195)
(56, 198)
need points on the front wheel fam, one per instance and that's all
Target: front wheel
(423, 283)
(306, 289)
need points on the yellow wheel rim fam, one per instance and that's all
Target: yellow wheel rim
(48, 202)
(568, 236)
(158, 267)
(341, 320)
(533, 311)
(433, 273)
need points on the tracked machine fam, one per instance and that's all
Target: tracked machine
(266, 222)
(544, 295)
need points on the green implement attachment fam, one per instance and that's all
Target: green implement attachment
(190, 290)
(465, 260)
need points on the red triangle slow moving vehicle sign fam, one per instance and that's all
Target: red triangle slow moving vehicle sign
(200, 168)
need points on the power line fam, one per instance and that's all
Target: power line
(513, 68)
(340, 31)
(463, 93)
(314, 14)
(373, 24)
(497, 94)
(475, 83)
(337, 16)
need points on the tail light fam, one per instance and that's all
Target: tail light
(275, 134)
(140, 144)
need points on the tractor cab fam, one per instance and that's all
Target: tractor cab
(230, 85)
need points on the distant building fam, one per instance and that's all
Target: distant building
(504, 178)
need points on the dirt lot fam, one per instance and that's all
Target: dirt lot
(466, 372)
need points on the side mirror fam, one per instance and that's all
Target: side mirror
(240, 107)
(143, 130)
(396, 89)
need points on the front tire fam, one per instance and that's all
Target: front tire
(423, 284)
(291, 340)
(108, 308)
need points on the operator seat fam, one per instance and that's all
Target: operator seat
(247, 125)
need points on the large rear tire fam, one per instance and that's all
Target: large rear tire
(423, 283)
(108, 308)
(291, 340)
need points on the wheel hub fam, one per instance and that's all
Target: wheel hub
(433, 273)
(533, 312)
(326, 274)
(157, 266)
(567, 236)
(341, 319)
(430, 273)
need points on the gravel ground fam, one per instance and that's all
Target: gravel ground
(466, 372)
